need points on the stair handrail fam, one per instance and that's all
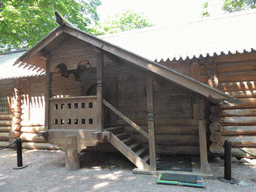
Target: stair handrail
(126, 119)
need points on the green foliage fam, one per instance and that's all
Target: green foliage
(24, 22)
(205, 12)
(121, 22)
(239, 5)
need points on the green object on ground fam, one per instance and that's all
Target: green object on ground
(177, 179)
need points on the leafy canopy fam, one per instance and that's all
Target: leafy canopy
(24, 22)
(232, 6)
(125, 21)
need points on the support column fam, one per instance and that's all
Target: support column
(48, 94)
(72, 156)
(151, 124)
(205, 168)
(100, 64)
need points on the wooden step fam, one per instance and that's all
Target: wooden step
(5, 129)
(122, 136)
(142, 152)
(131, 155)
(116, 130)
(146, 158)
(128, 141)
(135, 146)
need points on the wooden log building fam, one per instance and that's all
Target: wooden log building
(84, 91)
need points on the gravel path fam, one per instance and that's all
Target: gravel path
(103, 172)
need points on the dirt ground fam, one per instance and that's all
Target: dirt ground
(104, 172)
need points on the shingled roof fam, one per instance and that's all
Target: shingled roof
(232, 33)
(8, 71)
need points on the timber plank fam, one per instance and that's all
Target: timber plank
(173, 140)
(240, 141)
(236, 66)
(238, 112)
(237, 121)
(242, 94)
(238, 130)
(237, 76)
(237, 86)
(246, 103)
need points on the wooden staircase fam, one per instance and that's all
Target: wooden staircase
(130, 147)
(5, 128)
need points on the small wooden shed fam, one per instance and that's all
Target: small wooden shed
(97, 92)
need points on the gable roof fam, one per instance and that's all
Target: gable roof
(231, 33)
(133, 58)
(8, 71)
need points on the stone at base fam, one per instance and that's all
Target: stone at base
(232, 181)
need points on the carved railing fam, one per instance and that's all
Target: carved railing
(74, 113)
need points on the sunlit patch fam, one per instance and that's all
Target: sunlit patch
(2, 183)
(253, 85)
(108, 176)
(118, 172)
(238, 85)
(70, 177)
(84, 178)
(3, 177)
(245, 85)
(131, 178)
(100, 185)
(98, 168)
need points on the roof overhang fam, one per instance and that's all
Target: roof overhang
(173, 76)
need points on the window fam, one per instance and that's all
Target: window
(3, 104)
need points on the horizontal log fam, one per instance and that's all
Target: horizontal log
(236, 66)
(237, 76)
(238, 112)
(32, 145)
(4, 144)
(170, 130)
(238, 130)
(173, 140)
(237, 86)
(218, 150)
(32, 137)
(14, 134)
(4, 136)
(5, 117)
(246, 103)
(32, 129)
(5, 123)
(237, 121)
(5, 129)
(164, 121)
(174, 150)
(242, 94)
(240, 141)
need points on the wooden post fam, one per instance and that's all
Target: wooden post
(205, 168)
(72, 157)
(100, 63)
(48, 94)
(151, 126)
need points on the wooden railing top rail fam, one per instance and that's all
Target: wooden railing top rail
(77, 97)
(145, 134)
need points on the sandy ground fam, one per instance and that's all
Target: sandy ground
(104, 172)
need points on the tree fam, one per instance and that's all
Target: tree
(239, 5)
(24, 22)
(231, 6)
(121, 22)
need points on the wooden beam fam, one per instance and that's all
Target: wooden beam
(100, 64)
(126, 119)
(205, 168)
(151, 124)
(72, 156)
(48, 94)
